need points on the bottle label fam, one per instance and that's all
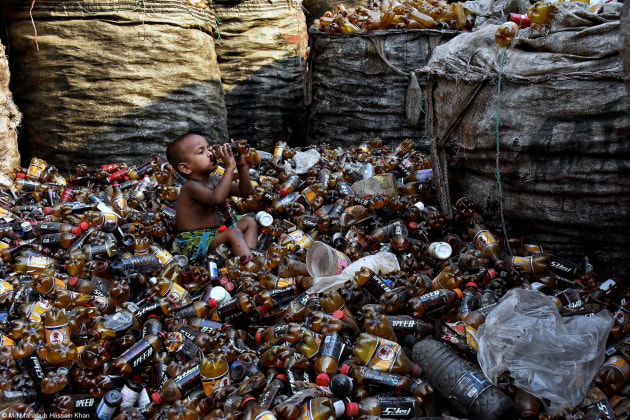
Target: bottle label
(433, 301)
(376, 286)
(468, 388)
(526, 263)
(37, 310)
(118, 321)
(37, 264)
(266, 415)
(188, 379)
(32, 366)
(308, 412)
(403, 326)
(332, 346)
(230, 309)
(104, 411)
(483, 238)
(5, 288)
(378, 377)
(57, 334)
(100, 302)
(175, 293)
(35, 170)
(396, 407)
(384, 355)
(603, 408)
(621, 365)
(5, 341)
(138, 353)
(212, 383)
(301, 239)
(208, 325)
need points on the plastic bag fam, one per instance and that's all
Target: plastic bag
(381, 262)
(552, 357)
(305, 160)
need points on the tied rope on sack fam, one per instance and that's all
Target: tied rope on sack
(413, 96)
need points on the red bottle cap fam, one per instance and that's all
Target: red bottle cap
(84, 225)
(322, 379)
(413, 226)
(222, 228)
(472, 284)
(458, 293)
(156, 398)
(47, 210)
(339, 314)
(212, 302)
(73, 281)
(76, 230)
(21, 175)
(283, 192)
(246, 400)
(352, 409)
(345, 369)
(258, 338)
(282, 377)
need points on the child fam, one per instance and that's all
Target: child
(202, 199)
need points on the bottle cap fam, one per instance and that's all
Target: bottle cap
(352, 409)
(73, 281)
(258, 338)
(345, 369)
(413, 226)
(84, 225)
(219, 294)
(47, 211)
(283, 192)
(76, 230)
(458, 293)
(322, 379)
(246, 400)
(21, 175)
(440, 250)
(339, 314)
(222, 228)
(472, 284)
(264, 219)
(157, 399)
(213, 303)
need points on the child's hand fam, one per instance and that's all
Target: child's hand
(224, 153)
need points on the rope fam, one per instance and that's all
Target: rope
(378, 46)
(33, 22)
(498, 175)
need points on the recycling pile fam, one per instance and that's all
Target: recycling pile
(103, 317)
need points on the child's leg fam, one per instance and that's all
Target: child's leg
(249, 227)
(234, 238)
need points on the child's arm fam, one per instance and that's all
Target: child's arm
(243, 187)
(217, 195)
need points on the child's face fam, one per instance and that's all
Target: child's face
(199, 157)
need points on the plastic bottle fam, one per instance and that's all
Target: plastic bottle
(330, 352)
(403, 407)
(613, 375)
(177, 387)
(254, 411)
(371, 282)
(214, 371)
(400, 383)
(109, 405)
(483, 239)
(272, 390)
(434, 302)
(385, 355)
(526, 406)
(461, 382)
(138, 354)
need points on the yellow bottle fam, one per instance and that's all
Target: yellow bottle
(214, 372)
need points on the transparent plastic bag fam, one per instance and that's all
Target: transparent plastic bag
(552, 357)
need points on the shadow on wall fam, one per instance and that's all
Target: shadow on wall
(268, 106)
(134, 138)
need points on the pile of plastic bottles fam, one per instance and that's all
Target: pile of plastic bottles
(386, 14)
(102, 317)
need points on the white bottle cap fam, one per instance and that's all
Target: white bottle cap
(440, 250)
(219, 294)
(264, 219)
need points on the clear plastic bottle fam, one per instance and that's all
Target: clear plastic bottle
(461, 382)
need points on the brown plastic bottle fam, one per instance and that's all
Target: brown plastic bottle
(378, 353)
(393, 300)
(526, 406)
(483, 239)
(378, 325)
(138, 353)
(613, 375)
(177, 387)
(330, 351)
(449, 278)
(434, 302)
(371, 282)
(386, 407)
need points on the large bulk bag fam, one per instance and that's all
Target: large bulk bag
(357, 85)
(10, 118)
(624, 42)
(260, 50)
(563, 124)
(113, 80)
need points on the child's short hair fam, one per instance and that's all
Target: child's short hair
(174, 152)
